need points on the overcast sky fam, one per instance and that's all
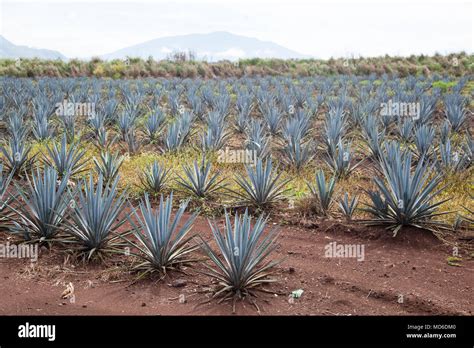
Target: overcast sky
(318, 28)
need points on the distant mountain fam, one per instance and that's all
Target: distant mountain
(212, 47)
(10, 50)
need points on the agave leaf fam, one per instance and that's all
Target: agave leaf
(243, 249)
(199, 181)
(41, 209)
(405, 196)
(162, 244)
(97, 215)
(262, 187)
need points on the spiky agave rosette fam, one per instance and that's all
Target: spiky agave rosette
(161, 245)
(261, 187)
(96, 218)
(39, 210)
(240, 265)
(199, 181)
(5, 181)
(405, 198)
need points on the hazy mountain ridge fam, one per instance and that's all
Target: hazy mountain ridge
(10, 50)
(212, 47)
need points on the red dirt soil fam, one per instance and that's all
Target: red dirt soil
(405, 275)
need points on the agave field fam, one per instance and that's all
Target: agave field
(118, 177)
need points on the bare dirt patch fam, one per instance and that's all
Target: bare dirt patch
(399, 276)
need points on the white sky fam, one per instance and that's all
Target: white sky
(318, 28)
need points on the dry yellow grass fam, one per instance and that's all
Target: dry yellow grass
(459, 187)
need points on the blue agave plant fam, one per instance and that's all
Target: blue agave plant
(405, 198)
(198, 179)
(154, 178)
(39, 210)
(323, 192)
(240, 265)
(262, 186)
(162, 242)
(97, 217)
(67, 160)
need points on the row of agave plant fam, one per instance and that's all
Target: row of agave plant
(286, 114)
(89, 219)
(41, 205)
(272, 113)
(404, 197)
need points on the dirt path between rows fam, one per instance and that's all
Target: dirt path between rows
(405, 275)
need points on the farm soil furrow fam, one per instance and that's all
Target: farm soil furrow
(409, 275)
